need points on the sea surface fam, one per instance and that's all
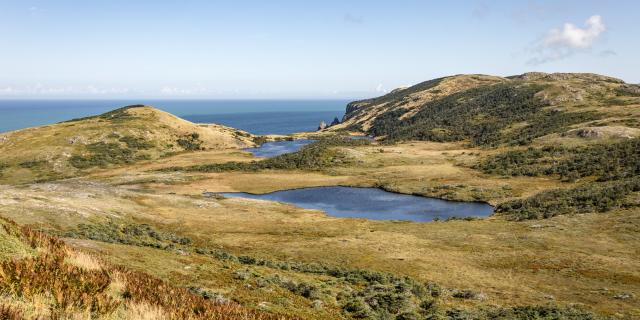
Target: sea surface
(372, 203)
(255, 116)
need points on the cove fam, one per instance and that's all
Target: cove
(276, 148)
(372, 203)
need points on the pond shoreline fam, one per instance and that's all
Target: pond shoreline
(372, 203)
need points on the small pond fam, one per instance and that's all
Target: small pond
(372, 203)
(276, 148)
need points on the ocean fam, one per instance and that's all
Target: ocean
(255, 116)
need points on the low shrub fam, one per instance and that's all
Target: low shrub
(102, 154)
(136, 143)
(609, 161)
(190, 142)
(594, 197)
(33, 164)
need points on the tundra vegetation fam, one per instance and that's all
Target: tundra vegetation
(118, 203)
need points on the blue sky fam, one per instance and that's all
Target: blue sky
(299, 49)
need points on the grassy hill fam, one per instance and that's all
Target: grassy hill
(115, 138)
(491, 111)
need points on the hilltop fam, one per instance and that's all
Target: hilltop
(491, 111)
(122, 136)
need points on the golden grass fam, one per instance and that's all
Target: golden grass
(63, 283)
(565, 260)
(145, 311)
(83, 260)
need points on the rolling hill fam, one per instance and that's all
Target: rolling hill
(491, 111)
(115, 138)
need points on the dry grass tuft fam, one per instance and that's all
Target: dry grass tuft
(83, 260)
(144, 311)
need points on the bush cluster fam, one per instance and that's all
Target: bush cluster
(605, 161)
(594, 197)
(102, 154)
(128, 233)
(136, 143)
(190, 142)
(3, 166)
(33, 164)
(480, 115)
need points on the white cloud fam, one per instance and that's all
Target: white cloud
(177, 91)
(574, 37)
(381, 89)
(39, 90)
(568, 40)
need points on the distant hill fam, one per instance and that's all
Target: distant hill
(118, 137)
(491, 111)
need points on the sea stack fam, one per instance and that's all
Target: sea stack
(322, 126)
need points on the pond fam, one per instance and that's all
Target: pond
(276, 148)
(372, 203)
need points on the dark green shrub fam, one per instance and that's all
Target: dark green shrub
(137, 143)
(595, 197)
(33, 164)
(102, 154)
(3, 166)
(480, 115)
(609, 161)
(190, 142)
(259, 140)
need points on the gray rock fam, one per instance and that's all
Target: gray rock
(623, 296)
(317, 304)
(322, 126)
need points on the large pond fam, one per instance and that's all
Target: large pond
(276, 148)
(372, 203)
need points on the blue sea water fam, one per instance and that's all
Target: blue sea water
(255, 116)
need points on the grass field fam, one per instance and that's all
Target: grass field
(588, 260)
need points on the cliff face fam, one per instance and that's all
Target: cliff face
(467, 106)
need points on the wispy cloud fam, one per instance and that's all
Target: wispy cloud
(480, 10)
(349, 18)
(534, 10)
(564, 42)
(607, 53)
(186, 91)
(45, 91)
(380, 89)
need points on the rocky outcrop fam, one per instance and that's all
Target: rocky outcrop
(322, 126)
(618, 132)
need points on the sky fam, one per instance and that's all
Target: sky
(299, 49)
